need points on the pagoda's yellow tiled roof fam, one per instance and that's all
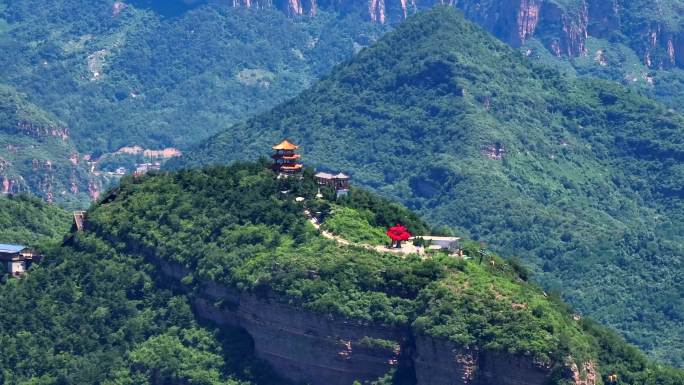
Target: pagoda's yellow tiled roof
(285, 145)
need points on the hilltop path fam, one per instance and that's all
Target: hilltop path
(406, 248)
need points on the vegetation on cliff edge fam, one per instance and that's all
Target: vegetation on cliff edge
(581, 178)
(232, 225)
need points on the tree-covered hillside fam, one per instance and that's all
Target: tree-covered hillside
(162, 74)
(171, 73)
(99, 310)
(118, 75)
(29, 221)
(579, 177)
(90, 315)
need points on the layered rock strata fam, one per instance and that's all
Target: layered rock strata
(321, 349)
(302, 346)
(443, 362)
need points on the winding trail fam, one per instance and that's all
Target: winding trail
(406, 248)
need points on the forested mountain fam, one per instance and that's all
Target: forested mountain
(90, 315)
(109, 75)
(163, 74)
(582, 178)
(128, 300)
(119, 75)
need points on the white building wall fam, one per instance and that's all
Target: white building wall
(16, 267)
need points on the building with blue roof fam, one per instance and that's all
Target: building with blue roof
(17, 258)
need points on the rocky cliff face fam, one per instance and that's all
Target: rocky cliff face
(302, 346)
(442, 362)
(37, 155)
(40, 160)
(324, 350)
(563, 29)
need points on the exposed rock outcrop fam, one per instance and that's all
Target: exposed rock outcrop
(291, 7)
(301, 345)
(563, 29)
(325, 350)
(443, 362)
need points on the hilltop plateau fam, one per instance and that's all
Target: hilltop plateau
(198, 276)
(579, 177)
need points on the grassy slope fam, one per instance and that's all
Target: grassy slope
(587, 190)
(354, 226)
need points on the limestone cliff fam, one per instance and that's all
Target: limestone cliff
(563, 27)
(443, 362)
(303, 346)
(325, 350)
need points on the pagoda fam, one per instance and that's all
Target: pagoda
(285, 161)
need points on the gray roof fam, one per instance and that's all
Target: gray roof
(324, 175)
(7, 248)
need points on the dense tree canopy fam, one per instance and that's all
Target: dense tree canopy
(98, 310)
(234, 225)
(29, 221)
(581, 178)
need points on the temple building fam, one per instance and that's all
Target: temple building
(17, 258)
(285, 160)
(340, 182)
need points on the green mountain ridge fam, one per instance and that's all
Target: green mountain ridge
(579, 177)
(29, 221)
(98, 309)
(170, 74)
(87, 314)
(125, 75)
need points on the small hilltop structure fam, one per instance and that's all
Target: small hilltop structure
(79, 221)
(17, 258)
(421, 244)
(285, 158)
(287, 162)
(339, 182)
(439, 243)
